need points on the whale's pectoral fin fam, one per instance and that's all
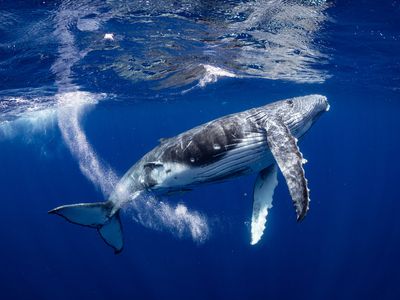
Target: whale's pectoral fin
(263, 192)
(283, 146)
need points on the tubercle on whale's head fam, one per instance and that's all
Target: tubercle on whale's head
(301, 112)
(312, 106)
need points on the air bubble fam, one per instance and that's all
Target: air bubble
(192, 159)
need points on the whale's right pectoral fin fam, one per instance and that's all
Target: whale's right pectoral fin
(263, 193)
(283, 146)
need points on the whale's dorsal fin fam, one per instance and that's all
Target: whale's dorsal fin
(263, 192)
(283, 146)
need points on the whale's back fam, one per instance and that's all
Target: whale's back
(208, 143)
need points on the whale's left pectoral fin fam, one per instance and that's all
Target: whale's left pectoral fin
(263, 193)
(283, 146)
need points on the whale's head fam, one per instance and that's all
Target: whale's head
(301, 112)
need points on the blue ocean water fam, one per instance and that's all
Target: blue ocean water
(88, 87)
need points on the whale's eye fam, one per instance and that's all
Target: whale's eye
(290, 102)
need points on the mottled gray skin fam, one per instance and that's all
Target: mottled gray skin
(224, 148)
(257, 140)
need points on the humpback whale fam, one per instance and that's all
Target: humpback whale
(259, 140)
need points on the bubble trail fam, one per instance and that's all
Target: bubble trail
(72, 106)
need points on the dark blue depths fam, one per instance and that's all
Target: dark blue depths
(346, 248)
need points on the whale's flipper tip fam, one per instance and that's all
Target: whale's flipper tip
(95, 215)
(301, 217)
(263, 193)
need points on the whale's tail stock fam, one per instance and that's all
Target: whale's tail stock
(101, 216)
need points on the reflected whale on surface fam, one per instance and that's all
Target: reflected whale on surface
(258, 140)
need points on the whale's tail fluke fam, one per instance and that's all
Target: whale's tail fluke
(96, 215)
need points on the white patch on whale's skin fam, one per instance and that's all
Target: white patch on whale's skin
(179, 175)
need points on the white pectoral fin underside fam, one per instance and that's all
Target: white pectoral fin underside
(283, 146)
(263, 193)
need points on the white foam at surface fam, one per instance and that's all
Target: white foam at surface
(25, 116)
(109, 36)
(28, 124)
(212, 74)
